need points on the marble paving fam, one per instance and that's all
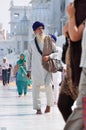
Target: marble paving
(18, 114)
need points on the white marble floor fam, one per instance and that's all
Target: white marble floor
(18, 114)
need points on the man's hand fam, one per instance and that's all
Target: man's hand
(45, 58)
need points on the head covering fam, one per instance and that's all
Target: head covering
(21, 61)
(54, 37)
(4, 58)
(37, 24)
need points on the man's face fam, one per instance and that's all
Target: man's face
(39, 31)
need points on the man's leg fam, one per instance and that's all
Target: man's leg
(49, 92)
(36, 98)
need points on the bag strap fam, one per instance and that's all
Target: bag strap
(37, 46)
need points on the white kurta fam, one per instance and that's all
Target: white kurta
(39, 75)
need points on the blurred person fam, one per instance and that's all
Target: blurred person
(57, 75)
(77, 119)
(9, 73)
(74, 28)
(21, 75)
(39, 75)
(4, 66)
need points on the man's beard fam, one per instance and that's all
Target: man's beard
(40, 37)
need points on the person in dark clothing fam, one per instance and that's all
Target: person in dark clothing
(74, 27)
(5, 66)
(9, 73)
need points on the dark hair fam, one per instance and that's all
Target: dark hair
(80, 6)
(64, 50)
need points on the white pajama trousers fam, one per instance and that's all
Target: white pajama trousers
(36, 93)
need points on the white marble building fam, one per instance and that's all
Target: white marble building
(50, 12)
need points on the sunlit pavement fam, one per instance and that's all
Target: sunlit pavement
(18, 114)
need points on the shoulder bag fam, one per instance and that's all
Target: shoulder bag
(51, 65)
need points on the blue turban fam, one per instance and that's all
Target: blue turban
(37, 24)
(54, 37)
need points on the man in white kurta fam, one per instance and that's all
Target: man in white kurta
(39, 75)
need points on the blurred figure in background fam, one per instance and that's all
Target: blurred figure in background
(57, 75)
(5, 66)
(21, 75)
(9, 73)
(73, 28)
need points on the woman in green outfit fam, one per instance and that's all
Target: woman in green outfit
(21, 75)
